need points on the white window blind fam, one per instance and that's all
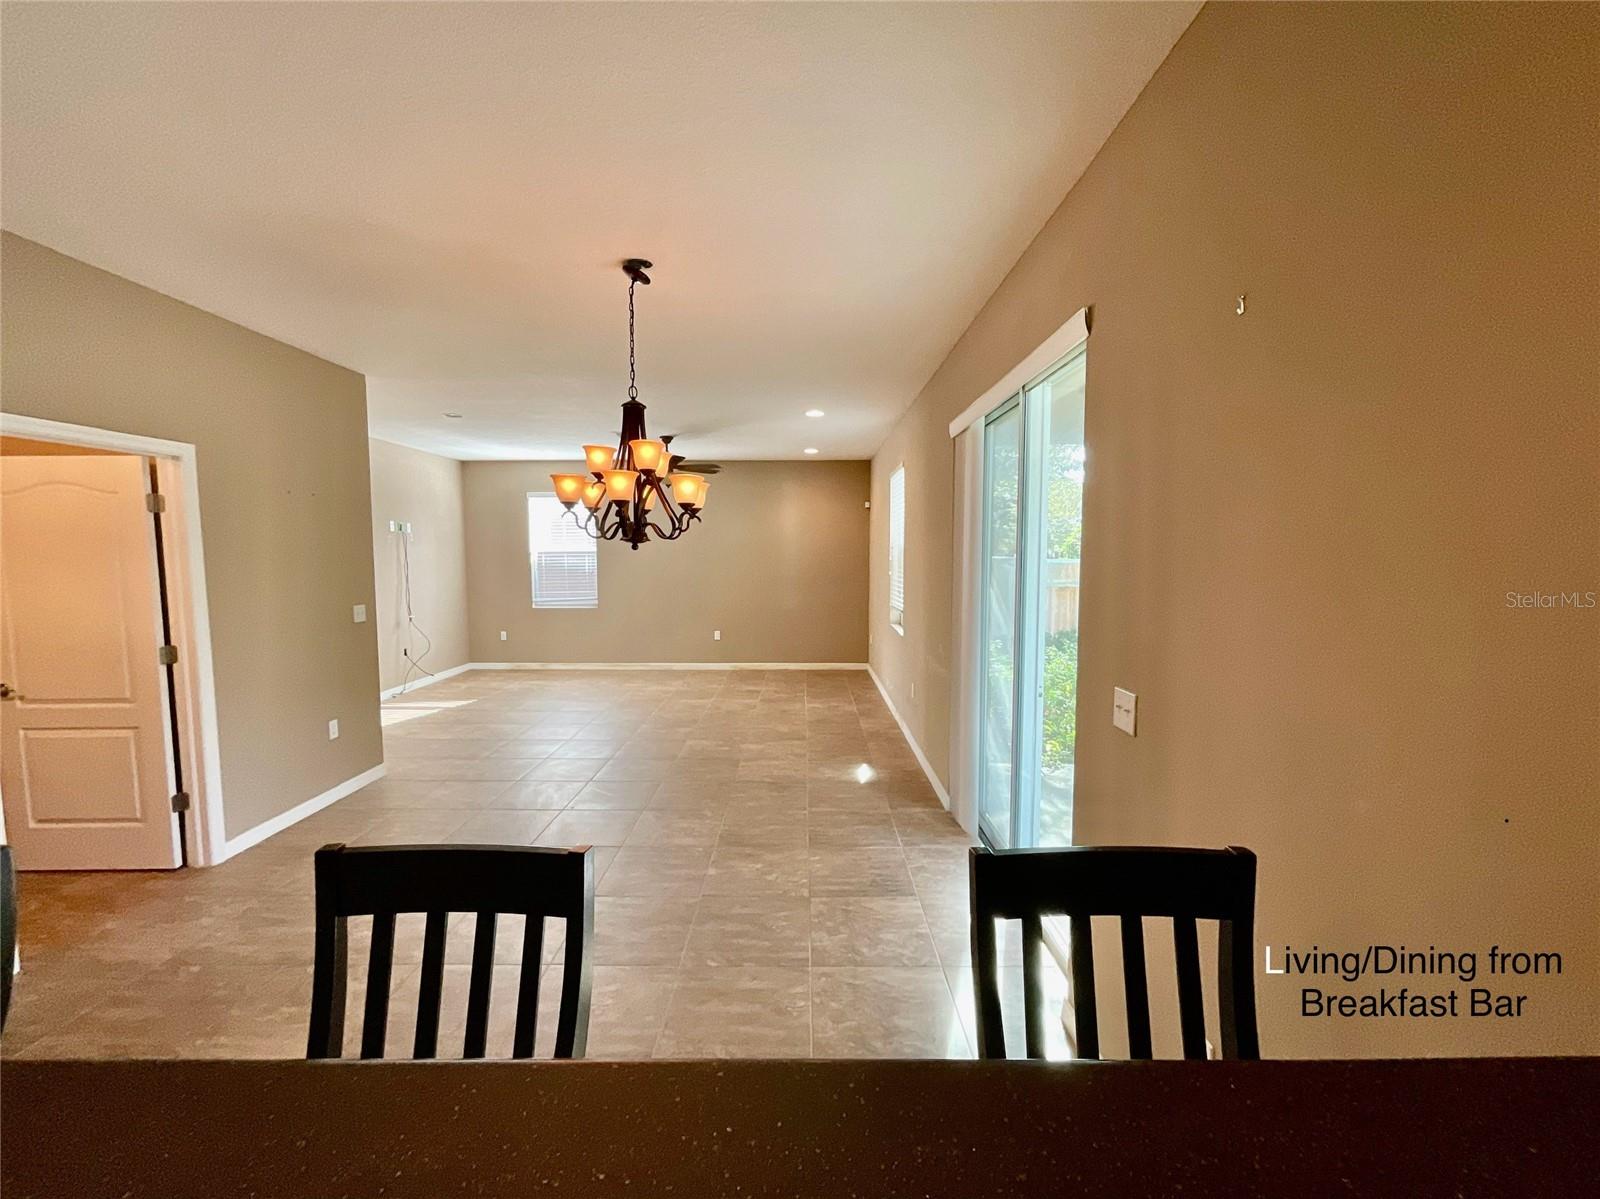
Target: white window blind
(561, 556)
(897, 548)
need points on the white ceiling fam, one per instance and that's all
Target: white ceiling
(437, 195)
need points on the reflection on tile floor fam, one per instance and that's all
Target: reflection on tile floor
(776, 878)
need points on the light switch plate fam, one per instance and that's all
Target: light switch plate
(333, 730)
(716, 634)
(359, 614)
(502, 634)
(1124, 708)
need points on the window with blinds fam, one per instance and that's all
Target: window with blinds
(897, 549)
(561, 556)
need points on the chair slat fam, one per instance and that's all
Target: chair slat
(1236, 992)
(1135, 987)
(477, 1038)
(329, 983)
(985, 971)
(430, 990)
(380, 965)
(330, 973)
(1191, 1003)
(572, 1023)
(1086, 1022)
(1032, 986)
(528, 988)
(8, 928)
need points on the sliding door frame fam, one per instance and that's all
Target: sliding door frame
(1028, 641)
(968, 717)
(985, 591)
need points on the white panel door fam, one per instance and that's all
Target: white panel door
(84, 760)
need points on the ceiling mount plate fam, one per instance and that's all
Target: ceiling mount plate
(636, 268)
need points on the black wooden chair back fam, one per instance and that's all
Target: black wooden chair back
(8, 929)
(385, 880)
(1130, 883)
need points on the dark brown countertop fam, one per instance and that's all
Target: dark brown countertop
(874, 1129)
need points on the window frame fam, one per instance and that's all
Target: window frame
(897, 554)
(592, 548)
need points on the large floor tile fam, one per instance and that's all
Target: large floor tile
(745, 1011)
(750, 930)
(588, 828)
(876, 931)
(747, 870)
(638, 931)
(878, 1011)
(657, 870)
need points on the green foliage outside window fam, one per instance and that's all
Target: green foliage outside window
(1060, 695)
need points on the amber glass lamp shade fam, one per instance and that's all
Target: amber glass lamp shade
(599, 457)
(700, 496)
(649, 499)
(593, 492)
(620, 485)
(684, 487)
(648, 454)
(569, 488)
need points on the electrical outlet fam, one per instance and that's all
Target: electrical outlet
(502, 634)
(716, 634)
(399, 526)
(1124, 709)
(333, 730)
(359, 614)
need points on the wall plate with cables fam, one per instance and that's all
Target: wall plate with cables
(399, 526)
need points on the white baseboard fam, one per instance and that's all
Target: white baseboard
(424, 680)
(922, 758)
(667, 666)
(254, 836)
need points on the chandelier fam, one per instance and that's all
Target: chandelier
(633, 492)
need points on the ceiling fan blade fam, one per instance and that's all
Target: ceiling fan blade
(698, 468)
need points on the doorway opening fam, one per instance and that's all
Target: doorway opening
(107, 713)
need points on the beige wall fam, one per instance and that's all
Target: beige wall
(1301, 524)
(424, 490)
(281, 443)
(779, 564)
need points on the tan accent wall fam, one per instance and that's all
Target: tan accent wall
(281, 442)
(424, 490)
(779, 564)
(1301, 524)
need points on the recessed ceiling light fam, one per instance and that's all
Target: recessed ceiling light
(452, 416)
(811, 449)
(815, 412)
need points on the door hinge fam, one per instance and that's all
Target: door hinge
(167, 655)
(180, 802)
(155, 502)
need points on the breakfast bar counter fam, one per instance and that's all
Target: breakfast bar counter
(873, 1129)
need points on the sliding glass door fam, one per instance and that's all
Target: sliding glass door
(1032, 529)
(1002, 476)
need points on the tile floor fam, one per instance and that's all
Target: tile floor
(776, 878)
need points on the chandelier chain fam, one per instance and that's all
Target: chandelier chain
(633, 389)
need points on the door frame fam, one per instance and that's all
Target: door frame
(195, 691)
